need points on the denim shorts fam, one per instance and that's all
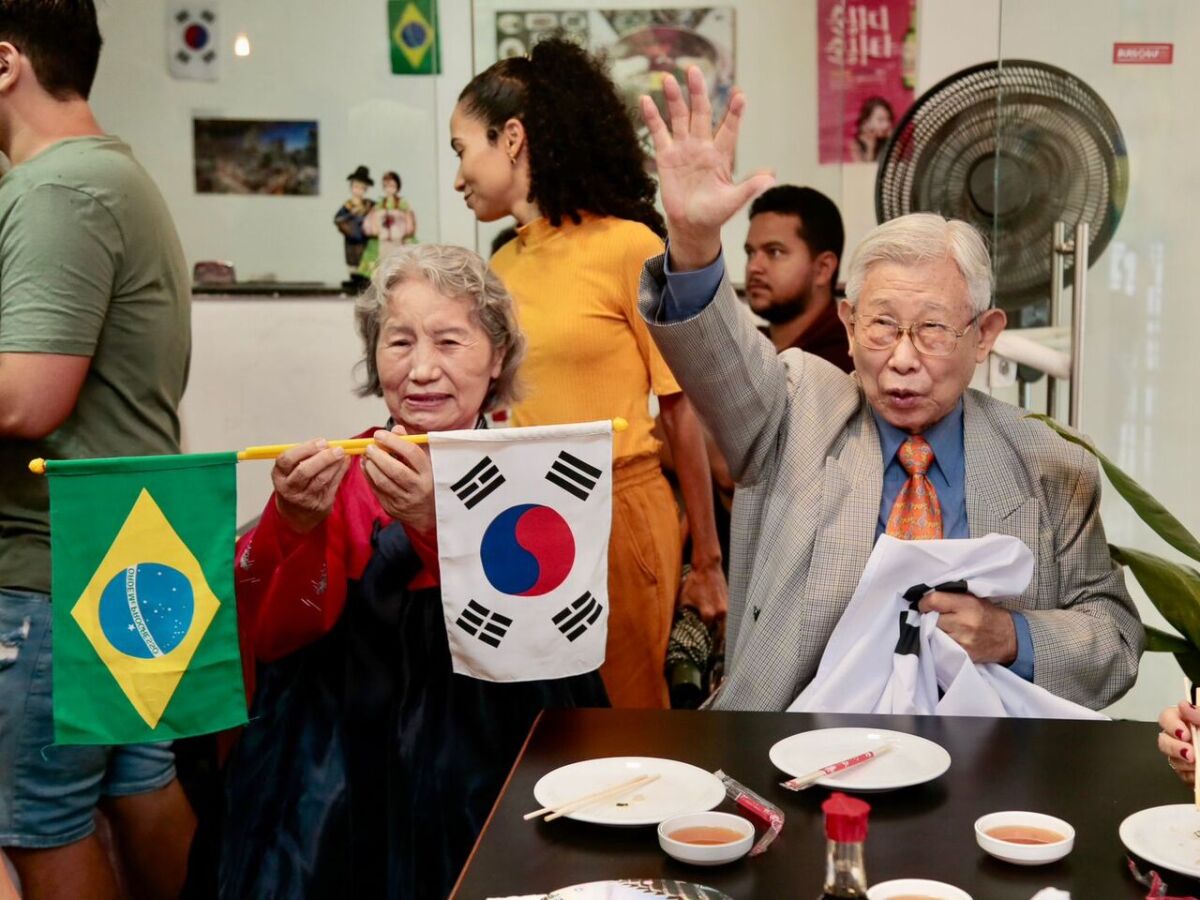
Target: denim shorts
(48, 793)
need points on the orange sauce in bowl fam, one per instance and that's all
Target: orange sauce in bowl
(705, 835)
(1024, 834)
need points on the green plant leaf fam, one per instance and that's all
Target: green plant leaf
(1187, 656)
(1172, 587)
(1148, 509)
(1190, 663)
(1159, 641)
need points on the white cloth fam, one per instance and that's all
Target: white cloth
(523, 520)
(861, 672)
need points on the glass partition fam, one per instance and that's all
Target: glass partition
(1112, 104)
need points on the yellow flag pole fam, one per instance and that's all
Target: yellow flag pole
(353, 447)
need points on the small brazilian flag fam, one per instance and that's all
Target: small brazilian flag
(413, 26)
(145, 624)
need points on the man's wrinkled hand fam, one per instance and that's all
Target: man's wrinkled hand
(695, 169)
(986, 631)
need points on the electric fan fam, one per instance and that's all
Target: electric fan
(1012, 147)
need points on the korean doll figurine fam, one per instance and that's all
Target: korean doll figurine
(350, 220)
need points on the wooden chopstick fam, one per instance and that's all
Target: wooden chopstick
(606, 795)
(800, 782)
(587, 800)
(1190, 690)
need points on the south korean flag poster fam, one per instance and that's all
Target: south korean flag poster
(523, 519)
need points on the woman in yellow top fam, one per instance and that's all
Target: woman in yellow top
(546, 139)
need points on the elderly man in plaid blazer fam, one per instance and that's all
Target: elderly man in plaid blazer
(826, 462)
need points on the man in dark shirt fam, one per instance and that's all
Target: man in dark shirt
(793, 253)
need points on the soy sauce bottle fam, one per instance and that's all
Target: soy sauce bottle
(845, 833)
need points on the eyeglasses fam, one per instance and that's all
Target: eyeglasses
(929, 338)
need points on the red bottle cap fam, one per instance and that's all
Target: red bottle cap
(845, 818)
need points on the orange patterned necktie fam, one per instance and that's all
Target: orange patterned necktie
(916, 515)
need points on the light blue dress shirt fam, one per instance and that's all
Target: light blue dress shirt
(686, 294)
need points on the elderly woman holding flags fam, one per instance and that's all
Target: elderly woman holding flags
(368, 767)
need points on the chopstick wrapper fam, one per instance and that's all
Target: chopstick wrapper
(762, 813)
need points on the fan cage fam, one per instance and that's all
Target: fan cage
(1057, 149)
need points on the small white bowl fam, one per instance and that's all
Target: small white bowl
(918, 887)
(706, 854)
(1024, 854)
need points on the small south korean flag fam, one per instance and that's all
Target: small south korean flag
(193, 40)
(523, 518)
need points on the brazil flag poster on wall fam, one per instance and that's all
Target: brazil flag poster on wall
(414, 39)
(145, 623)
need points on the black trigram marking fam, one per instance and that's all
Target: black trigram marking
(183, 57)
(483, 623)
(909, 641)
(577, 618)
(477, 484)
(182, 16)
(573, 475)
(210, 56)
(208, 16)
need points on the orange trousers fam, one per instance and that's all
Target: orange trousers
(644, 561)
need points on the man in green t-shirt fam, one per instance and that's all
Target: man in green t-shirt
(95, 338)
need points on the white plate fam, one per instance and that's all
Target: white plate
(680, 789)
(913, 760)
(638, 889)
(1165, 836)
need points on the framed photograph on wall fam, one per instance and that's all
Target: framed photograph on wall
(641, 45)
(256, 156)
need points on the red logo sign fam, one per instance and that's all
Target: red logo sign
(1143, 54)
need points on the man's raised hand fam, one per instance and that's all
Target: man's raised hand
(695, 169)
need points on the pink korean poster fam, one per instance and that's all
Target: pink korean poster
(866, 73)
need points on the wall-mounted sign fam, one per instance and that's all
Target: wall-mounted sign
(1144, 54)
(866, 75)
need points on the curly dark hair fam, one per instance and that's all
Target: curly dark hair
(584, 154)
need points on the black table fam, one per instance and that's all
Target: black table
(1093, 774)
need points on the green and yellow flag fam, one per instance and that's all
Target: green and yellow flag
(145, 624)
(413, 27)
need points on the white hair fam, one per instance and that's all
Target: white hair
(920, 238)
(454, 272)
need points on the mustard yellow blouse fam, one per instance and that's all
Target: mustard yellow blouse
(590, 355)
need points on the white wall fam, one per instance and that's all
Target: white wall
(272, 371)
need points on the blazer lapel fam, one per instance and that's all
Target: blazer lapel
(997, 502)
(849, 511)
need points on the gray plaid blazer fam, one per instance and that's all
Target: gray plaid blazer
(804, 450)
